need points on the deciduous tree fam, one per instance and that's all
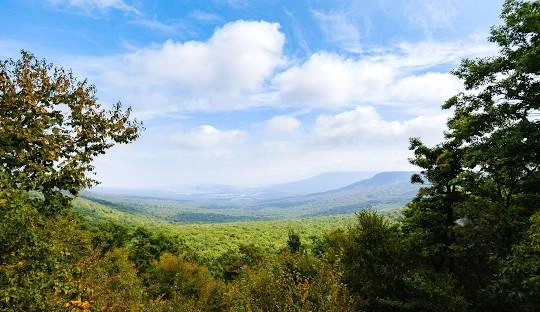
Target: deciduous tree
(52, 127)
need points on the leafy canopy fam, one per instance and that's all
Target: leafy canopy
(482, 181)
(52, 127)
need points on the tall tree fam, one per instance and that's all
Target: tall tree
(431, 217)
(483, 180)
(496, 120)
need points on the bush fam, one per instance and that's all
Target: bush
(110, 282)
(37, 254)
(180, 283)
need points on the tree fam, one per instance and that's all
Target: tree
(517, 285)
(147, 246)
(483, 179)
(496, 121)
(293, 242)
(52, 127)
(431, 216)
(373, 261)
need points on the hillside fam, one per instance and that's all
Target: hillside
(210, 240)
(320, 183)
(385, 190)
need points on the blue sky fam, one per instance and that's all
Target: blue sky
(257, 92)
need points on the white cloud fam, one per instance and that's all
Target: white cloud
(354, 139)
(207, 136)
(282, 124)
(242, 65)
(364, 126)
(425, 54)
(237, 58)
(229, 70)
(329, 80)
(396, 77)
(90, 5)
(425, 88)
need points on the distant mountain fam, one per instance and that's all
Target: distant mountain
(380, 180)
(225, 195)
(319, 183)
(386, 190)
(383, 190)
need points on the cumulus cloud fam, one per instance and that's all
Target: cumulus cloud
(282, 124)
(398, 77)
(329, 80)
(363, 125)
(229, 70)
(207, 136)
(243, 65)
(425, 88)
(90, 5)
(237, 58)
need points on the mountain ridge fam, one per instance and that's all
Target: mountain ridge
(384, 190)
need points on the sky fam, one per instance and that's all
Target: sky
(252, 93)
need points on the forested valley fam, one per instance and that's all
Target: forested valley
(468, 241)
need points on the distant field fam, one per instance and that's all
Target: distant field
(210, 240)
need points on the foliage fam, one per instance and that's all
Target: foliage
(207, 242)
(293, 242)
(51, 128)
(109, 235)
(290, 283)
(470, 220)
(110, 282)
(233, 263)
(147, 246)
(373, 260)
(37, 255)
(171, 278)
(517, 284)
(494, 122)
